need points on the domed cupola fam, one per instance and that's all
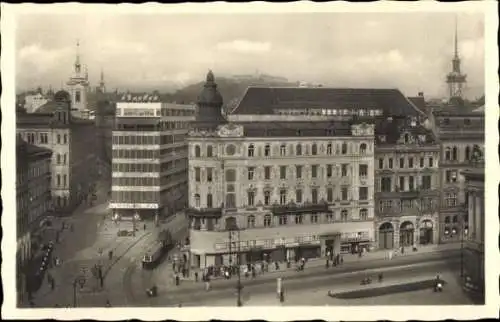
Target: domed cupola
(62, 96)
(209, 103)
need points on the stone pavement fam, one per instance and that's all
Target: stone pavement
(166, 274)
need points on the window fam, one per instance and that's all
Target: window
(210, 151)
(58, 158)
(451, 176)
(267, 173)
(197, 200)
(230, 200)
(467, 153)
(329, 170)
(58, 139)
(298, 219)
(363, 170)
(329, 194)
(251, 171)
(282, 196)
(298, 149)
(267, 198)
(64, 180)
(386, 184)
(363, 193)
(65, 158)
(314, 171)
(282, 172)
(447, 220)
(401, 162)
(197, 151)
(362, 148)
(282, 150)
(65, 138)
(230, 175)
(329, 217)
(209, 174)
(402, 183)
(344, 193)
(410, 163)
(344, 170)
(267, 150)
(363, 214)
(283, 220)
(431, 162)
(329, 149)
(197, 174)
(251, 221)
(447, 154)
(426, 182)
(411, 183)
(454, 153)
(209, 201)
(380, 163)
(314, 149)
(251, 198)
(298, 170)
(314, 218)
(344, 148)
(344, 216)
(251, 150)
(267, 221)
(314, 195)
(390, 163)
(422, 162)
(451, 199)
(298, 196)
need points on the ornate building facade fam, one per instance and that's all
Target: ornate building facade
(292, 167)
(407, 184)
(149, 157)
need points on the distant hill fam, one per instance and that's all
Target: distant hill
(231, 89)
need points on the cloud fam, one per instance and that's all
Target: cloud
(41, 59)
(245, 46)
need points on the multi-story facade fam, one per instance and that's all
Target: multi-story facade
(72, 141)
(34, 101)
(34, 202)
(460, 131)
(292, 167)
(407, 184)
(149, 162)
(475, 229)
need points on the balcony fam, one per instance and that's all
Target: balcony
(292, 208)
(204, 212)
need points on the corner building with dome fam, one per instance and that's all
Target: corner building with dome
(291, 169)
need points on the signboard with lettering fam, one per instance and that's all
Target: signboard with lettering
(133, 206)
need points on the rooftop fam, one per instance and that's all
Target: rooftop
(296, 129)
(263, 100)
(26, 151)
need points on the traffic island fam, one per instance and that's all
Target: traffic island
(386, 290)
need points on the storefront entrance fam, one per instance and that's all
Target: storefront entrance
(307, 252)
(426, 232)
(386, 236)
(406, 232)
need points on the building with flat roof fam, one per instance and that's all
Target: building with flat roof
(149, 157)
(72, 142)
(34, 202)
(292, 168)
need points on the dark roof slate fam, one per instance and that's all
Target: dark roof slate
(262, 100)
(296, 129)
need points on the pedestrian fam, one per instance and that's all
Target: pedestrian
(390, 255)
(173, 266)
(177, 280)
(144, 227)
(402, 250)
(327, 263)
(276, 265)
(341, 259)
(196, 276)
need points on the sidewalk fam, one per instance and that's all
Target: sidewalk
(167, 275)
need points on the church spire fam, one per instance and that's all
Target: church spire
(77, 61)
(456, 38)
(456, 79)
(102, 86)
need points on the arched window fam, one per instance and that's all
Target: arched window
(363, 214)
(329, 149)
(197, 200)
(344, 148)
(267, 221)
(299, 149)
(362, 148)
(467, 153)
(251, 221)
(210, 152)
(209, 201)
(455, 153)
(447, 154)
(197, 151)
(344, 215)
(314, 149)
(283, 150)
(251, 150)
(267, 150)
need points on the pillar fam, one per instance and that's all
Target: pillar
(479, 222)
(470, 214)
(396, 226)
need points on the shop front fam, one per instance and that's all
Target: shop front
(406, 233)
(354, 242)
(426, 232)
(386, 236)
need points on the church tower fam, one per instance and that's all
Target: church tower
(209, 106)
(456, 79)
(102, 85)
(78, 85)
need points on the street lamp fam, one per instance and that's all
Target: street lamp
(232, 227)
(79, 280)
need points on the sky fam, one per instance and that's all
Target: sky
(409, 51)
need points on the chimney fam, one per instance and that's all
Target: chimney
(421, 94)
